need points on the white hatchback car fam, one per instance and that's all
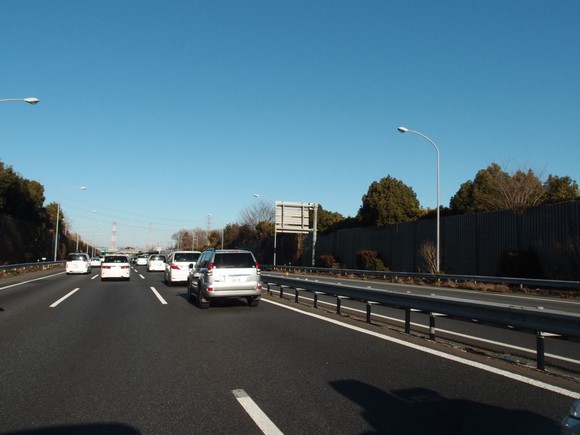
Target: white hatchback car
(78, 263)
(116, 267)
(178, 265)
(156, 263)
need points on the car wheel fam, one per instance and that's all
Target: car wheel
(253, 302)
(201, 302)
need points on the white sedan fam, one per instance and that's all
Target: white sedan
(96, 261)
(115, 266)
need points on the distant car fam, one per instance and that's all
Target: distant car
(116, 267)
(96, 261)
(177, 266)
(156, 263)
(225, 273)
(77, 263)
(141, 260)
(571, 423)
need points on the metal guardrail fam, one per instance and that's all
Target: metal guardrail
(539, 321)
(42, 265)
(518, 282)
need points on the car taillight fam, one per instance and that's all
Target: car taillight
(175, 267)
(210, 267)
(257, 266)
(106, 267)
(124, 267)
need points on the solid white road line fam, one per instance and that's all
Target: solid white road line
(30, 280)
(504, 373)
(264, 423)
(64, 297)
(158, 295)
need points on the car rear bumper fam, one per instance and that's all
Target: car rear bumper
(107, 274)
(218, 292)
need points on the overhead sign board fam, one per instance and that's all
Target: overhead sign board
(293, 217)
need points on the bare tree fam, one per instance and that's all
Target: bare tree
(428, 253)
(259, 211)
(496, 189)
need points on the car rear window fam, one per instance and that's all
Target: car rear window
(186, 256)
(234, 260)
(116, 259)
(157, 257)
(76, 257)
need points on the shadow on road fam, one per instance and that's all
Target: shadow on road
(425, 412)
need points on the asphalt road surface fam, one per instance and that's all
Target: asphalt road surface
(78, 355)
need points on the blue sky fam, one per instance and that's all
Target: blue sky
(172, 110)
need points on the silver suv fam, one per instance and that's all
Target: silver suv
(224, 273)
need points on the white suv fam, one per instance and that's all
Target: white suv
(225, 273)
(178, 265)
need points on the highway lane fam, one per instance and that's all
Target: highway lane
(113, 356)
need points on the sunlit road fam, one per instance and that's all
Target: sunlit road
(137, 357)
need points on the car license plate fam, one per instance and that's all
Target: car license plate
(236, 279)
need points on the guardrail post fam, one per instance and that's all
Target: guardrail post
(339, 303)
(369, 313)
(408, 312)
(281, 291)
(540, 351)
(431, 326)
(269, 288)
(316, 298)
(296, 294)
(432, 329)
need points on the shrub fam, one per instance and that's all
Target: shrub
(370, 260)
(328, 262)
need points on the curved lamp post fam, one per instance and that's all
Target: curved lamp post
(406, 130)
(30, 100)
(257, 195)
(58, 217)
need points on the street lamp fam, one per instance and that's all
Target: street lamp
(58, 217)
(257, 195)
(30, 100)
(406, 130)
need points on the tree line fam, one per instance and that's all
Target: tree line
(387, 201)
(27, 226)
